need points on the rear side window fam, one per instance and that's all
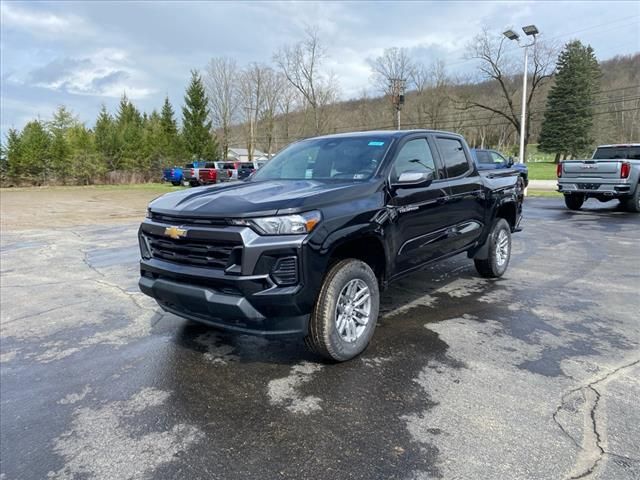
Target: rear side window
(189, 165)
(453, 157)
(209, 165)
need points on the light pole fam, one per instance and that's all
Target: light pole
(529, 30)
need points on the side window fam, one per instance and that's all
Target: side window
(414, 156)
(497, 158)
(484, 157)
(452, 152)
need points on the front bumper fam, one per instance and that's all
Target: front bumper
(220, 310)
(245, 296)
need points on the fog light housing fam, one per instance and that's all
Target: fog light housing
(285, 271)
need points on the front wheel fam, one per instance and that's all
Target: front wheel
(346, 311)
(499, 253)
(176, 184)
(574, 201)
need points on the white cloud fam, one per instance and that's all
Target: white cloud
(106, 72)
(38, 22)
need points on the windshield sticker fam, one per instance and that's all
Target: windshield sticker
(376, 144)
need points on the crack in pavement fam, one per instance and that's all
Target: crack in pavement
(591, 450)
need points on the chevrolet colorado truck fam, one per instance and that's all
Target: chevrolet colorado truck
(305, 245)
(612, 173)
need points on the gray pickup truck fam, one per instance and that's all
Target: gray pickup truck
(612, 173)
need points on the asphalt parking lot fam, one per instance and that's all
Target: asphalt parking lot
(533, 376)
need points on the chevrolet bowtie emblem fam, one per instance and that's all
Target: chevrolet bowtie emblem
(175, 232)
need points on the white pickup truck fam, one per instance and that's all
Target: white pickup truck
(612, 173)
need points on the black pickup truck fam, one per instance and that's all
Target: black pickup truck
(304, 246)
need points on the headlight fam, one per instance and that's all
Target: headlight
(283, 224)
(148, 215)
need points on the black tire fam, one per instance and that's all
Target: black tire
(324, 337)
(633, 202)
(194, 184)
(176, 184)
(493, 266)
(574, 201)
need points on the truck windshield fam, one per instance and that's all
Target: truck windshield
(629, 153)
(346, 158)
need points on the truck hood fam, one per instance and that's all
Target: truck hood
(245, 199)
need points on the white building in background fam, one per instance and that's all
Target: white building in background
(242, 154)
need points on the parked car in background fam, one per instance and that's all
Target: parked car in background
(244, 169)
(190, 175)
(305, 245)
(201, 173)
(613, 172)
(173, 175)
(225, 171)
(492, 160)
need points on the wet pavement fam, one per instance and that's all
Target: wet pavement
(533, 376)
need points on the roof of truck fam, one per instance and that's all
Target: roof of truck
(384, 133)
(617, 145)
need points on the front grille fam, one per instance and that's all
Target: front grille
(201, 253)
(159, 217)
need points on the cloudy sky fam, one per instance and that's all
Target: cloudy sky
(85, 54)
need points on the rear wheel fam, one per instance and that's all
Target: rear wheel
(346, 311)
(574, 201)
(499, 253)
(633, 202)
(176, 184)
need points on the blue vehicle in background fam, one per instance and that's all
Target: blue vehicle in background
(492, 160)
(173, 175)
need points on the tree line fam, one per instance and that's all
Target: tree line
(572, 103)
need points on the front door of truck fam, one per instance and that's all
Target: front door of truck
(419, 213)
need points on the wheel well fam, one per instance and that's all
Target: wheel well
(369, 249)
(508, 212)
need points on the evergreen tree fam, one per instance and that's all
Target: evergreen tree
(172, 148)
(87, 165)
(196, 125)
(129, 125)
(167, 120)
(12, 154)
(35, 160)
(568, 118)
(58, 127)
(106, 139)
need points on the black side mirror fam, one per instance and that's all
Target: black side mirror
(413, 179)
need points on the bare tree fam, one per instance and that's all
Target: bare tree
(251, 98)
(394, 63)
(432, 93)
(273, 88)
(221, 79)
(300, 63)
(289, 97)
(497, 65)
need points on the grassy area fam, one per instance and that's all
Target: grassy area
(542, 171)
(543, 193)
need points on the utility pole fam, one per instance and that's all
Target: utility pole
(397, 88)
